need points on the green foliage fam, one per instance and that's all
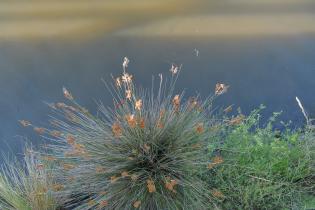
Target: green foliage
(264, 168)
(155, 150)
(26, 187)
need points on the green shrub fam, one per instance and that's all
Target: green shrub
(264, 168)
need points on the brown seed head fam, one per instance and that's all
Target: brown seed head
(138, 104)
(117, 130)
(199, 128)
(100, 169)
(118, 82)
(67, 94)
(39, 130)
(170, 184)
(124, 174)
(25, 123)
(57, 187)
(91, 203)
(126, 78)
(61, 105)
(134, 177)
(220, 89)
(176, 102)
(142, 123)
(70, 139)
(146, 148)
(174, 69)
(131, 120)
(137, 204)
(67, 166)
(228, 109)
(49, 158)
(55, 133)
(151, 186)
(215, 161)
(103, 203)
(217, 193)
(113, 179)
(237, 120)
(128, 94)
(40, 166)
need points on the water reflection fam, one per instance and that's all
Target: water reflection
(262, 49)
(270, 71)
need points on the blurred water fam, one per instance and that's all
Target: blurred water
(265, 70)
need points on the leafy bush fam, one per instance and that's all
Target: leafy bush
(264, 168)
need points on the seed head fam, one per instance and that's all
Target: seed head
(174, 69)
(124, 174)
(137, 204)
(118, 82)
(199, 128)
(142, 123)
(128, 94)
(39, 130)
(138, 104)
(25, 123)
(56, 133)
(131, 120)
(70, 139)
(117, 129)
(237, 120)
(151, 186)
(100, 169)
(67, 94)
(176, 102)
(216, 160)
(113, 179)
(217, 193)
(67, 166)
(220, 89)
(228, 109)
(103, 204)
(57, 187)
(170, 184)
(125, 63)
(126, 78)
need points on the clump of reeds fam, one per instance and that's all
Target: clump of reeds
(149, 151)
(26, 186)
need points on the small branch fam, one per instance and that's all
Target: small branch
(302, 109)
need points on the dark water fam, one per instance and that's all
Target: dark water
(265, 70)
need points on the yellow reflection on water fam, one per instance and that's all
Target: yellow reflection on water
(47, 18)
(85, 18)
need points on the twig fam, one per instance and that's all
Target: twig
(259, 178)
(302, 109)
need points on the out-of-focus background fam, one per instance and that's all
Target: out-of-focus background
(264, 49)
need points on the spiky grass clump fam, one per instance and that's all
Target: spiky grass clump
(148, 152)
(26, 187)
(264, 168)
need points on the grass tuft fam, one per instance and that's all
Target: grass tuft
(148, 152)
(26, 187)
